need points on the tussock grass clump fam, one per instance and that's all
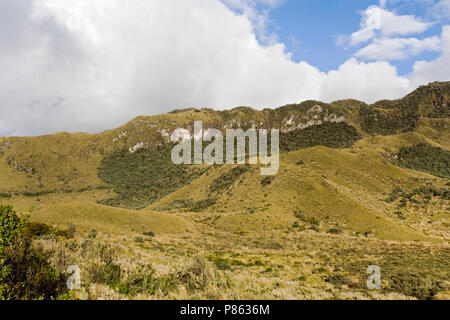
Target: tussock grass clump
(99, 263)
(199, 276)
(196, 274)
(267, 180)
(143, 279)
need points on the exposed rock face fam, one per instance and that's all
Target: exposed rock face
(316, 115)
(138, 146)
(123, 134)
(313, 117)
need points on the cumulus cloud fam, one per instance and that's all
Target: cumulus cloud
(398, 48)
(441, 10)
(91, 65)
(258, 13)
(438, 70)
(387, 23)
(364, 81)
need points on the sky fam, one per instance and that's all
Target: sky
(92, 65)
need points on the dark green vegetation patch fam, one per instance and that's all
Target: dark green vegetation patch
(423, 157)
(227, 179)
(144, 177)
(388, 121)
(332, 135)
(25, 269)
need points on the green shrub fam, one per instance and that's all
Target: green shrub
(25, 271)
(203, 204)
(26, 274)
(395, 194)
(423, 157)
(332, 135)
(177, 204)
(36, 229)
(11, 226)
(68, 233)
(139, 239)
(403, 203)
(299, 215)
(144, 177)
(92, 234)
(227, 179)
(335, 231)
(388, 121)
(267, 180)
(415, 285)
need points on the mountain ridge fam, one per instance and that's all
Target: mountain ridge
(357, 186)
(130, 167)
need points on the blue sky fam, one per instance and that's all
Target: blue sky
(309, 29)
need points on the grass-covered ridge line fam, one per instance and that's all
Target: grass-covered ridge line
(377, 120)
(143, 177)
(146, 176)
(423, 157)
(402, 115)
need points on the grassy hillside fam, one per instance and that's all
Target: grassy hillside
(132, 163)
(145, 176)
(423, 157)
(328, 188)
(358, 185)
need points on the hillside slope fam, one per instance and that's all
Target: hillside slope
(367, 153)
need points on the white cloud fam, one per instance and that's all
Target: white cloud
(441, 10)
(361, 36)
(258, 13)
(376, 19)
(398, 48)
(90, 65)
(437, 70)
(364, 81)
(94, 64)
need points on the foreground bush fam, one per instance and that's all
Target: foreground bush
(25, 271)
